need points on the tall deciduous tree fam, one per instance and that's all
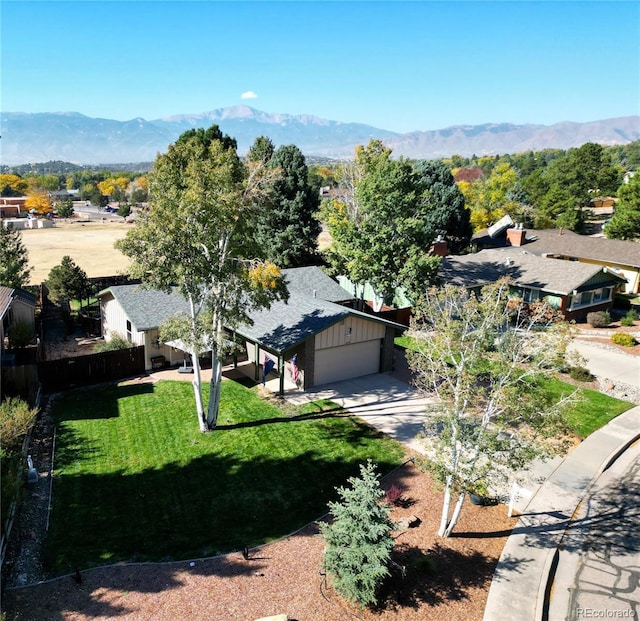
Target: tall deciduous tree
(489, 199)
(563, 191)
(489, 415)
(625, 223)
(382, 231)
(199, 235)
(358, 542)
(38, 201)
(288, 229)
(14, 260)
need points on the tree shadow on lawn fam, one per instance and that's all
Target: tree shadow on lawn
(336, 412)
(211, 505)
(98, 402)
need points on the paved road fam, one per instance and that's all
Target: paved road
(598, 573)
(585, 517)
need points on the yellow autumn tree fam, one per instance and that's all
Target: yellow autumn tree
(16, 183)
(39, 201)
(113, 186)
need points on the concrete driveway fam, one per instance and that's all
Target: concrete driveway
(386, 403)
(609, 363)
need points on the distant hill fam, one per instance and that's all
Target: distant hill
(74, 137)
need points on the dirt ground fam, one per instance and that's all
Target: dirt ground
(89, 244)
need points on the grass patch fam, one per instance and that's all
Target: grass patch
(409, 342)
(592, 410)
(136, 480)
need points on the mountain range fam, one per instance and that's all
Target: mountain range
(74, 137)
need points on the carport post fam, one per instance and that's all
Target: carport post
(281, 371)
(256, 361)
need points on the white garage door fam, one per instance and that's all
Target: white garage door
(340, 363)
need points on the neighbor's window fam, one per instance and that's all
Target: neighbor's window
(128, 330)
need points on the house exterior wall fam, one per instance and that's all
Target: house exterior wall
(350, 348)
(350, 330)
(21, 312)
(632, 274)
(115, 322)
(575, 308)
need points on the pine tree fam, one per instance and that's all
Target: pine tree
(14, 262)
(358, 542)
(288, 231)
(67, 281)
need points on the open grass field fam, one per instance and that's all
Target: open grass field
(134, 479)
(89, 244)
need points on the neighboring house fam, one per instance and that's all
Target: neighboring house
(11, 206)
(621, 257)
(330, 340)
(572, 287)
(17, 307)
(395, 308)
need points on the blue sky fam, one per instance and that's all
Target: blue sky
(401, 66)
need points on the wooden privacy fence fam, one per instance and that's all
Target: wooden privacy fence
(64, 373)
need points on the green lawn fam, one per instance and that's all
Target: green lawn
(592, 410)
(136, 480)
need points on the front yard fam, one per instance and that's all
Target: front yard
(135, 479)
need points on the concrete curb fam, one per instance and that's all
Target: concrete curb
(524, 574)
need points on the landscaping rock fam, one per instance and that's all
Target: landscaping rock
(410, 521)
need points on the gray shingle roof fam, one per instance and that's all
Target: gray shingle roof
(282, 326)
(570, 244)
(526, 269)
(307, 280)
(148, 308)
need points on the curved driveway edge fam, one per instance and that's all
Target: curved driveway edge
(524, 575)
(384, 402)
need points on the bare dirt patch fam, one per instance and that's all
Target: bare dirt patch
(89, 244)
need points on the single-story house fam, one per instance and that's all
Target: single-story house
(617, 255)
(316, 328)
(11, 206)
(572, 287)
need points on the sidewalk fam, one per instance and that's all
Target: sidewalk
(523, 583)
(609, 363)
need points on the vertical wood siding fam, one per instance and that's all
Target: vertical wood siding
(360, 330)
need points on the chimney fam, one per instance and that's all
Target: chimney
(516, 237)
(439, 247)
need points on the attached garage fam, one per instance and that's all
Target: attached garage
(346, 362)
